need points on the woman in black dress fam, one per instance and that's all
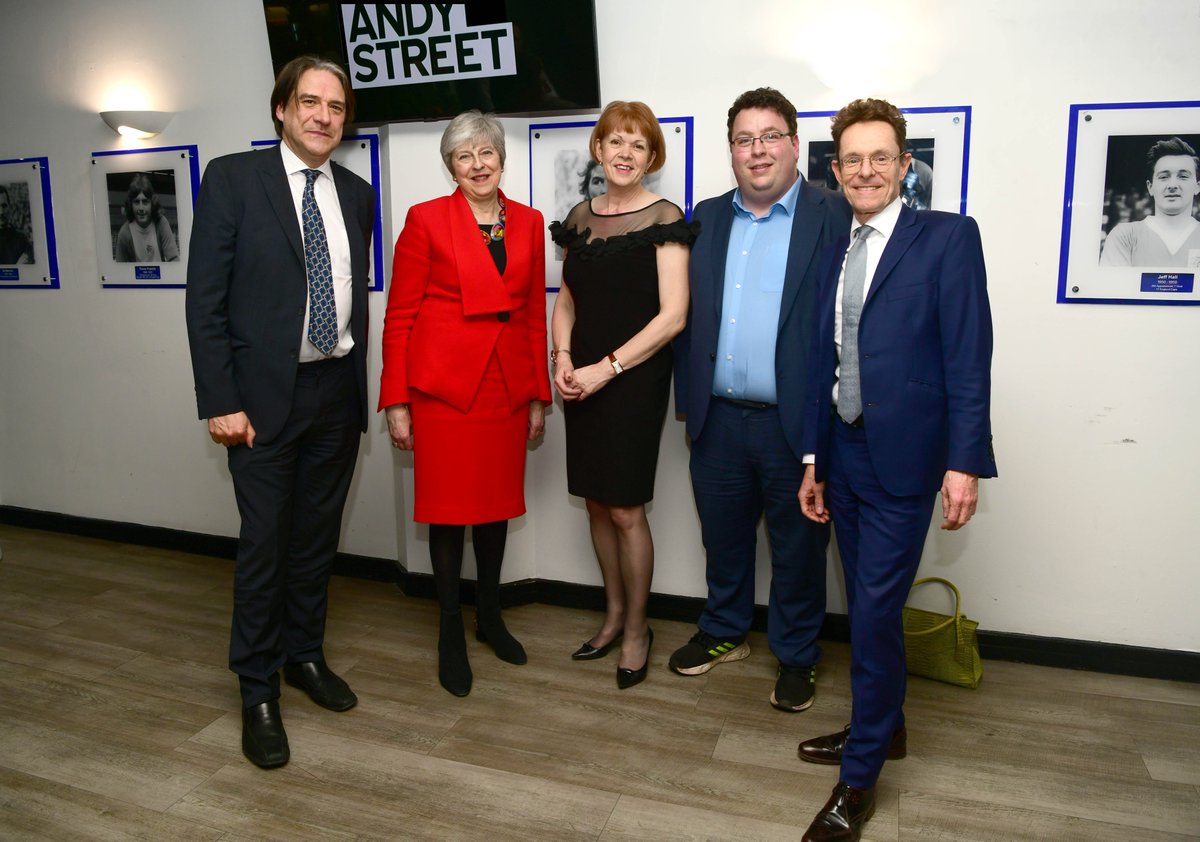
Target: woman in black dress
(624, 297)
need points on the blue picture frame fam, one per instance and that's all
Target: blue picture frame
(113, 164)
(1106, 142)
(39, 210)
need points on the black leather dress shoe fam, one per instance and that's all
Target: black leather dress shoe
(827, 750)
(264, 741)
(627, 678)
(843, 816)
(321, 685)
(588, 652)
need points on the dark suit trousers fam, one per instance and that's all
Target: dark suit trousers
(880, 538)
(742, 468)
(290, 494)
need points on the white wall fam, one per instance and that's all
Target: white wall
(1088, 532)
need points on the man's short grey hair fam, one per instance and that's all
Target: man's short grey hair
(471, 126)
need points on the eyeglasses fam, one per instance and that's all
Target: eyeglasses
(768, 139)
(880, 162)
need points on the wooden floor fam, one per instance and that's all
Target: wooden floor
(118, 720)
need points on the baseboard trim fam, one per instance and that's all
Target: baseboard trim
(179, 540)
(1094, 656)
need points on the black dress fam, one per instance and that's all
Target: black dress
(611, 270)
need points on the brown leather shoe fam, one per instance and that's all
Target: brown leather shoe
(843, 816)
(827, 750)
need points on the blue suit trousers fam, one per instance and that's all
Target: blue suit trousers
(742, 469)
(880, 537)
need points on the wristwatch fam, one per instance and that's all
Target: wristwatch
(616, 364)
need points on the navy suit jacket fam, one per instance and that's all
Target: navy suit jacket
(925, 351)
(820, 217)
(247, 287)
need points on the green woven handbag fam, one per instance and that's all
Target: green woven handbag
(944, 648)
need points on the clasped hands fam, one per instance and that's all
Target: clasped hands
(576, 384)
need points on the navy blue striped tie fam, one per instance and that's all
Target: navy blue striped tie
(322, 310)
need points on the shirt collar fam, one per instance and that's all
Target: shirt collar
(884, 222)
(786, 202)
(292, 163)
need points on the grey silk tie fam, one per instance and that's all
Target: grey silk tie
(849, 388)
(322, 312)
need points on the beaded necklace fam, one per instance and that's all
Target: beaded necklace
(497, 232)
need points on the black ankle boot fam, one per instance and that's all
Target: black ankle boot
(490, 629)
(454, 670)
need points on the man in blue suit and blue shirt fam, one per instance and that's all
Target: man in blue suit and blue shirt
(740, 378)
(899, 398)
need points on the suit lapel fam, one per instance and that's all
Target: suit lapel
(908, 226)
(807, 224)
(482, 287)
(279, 194)
(715, 267)
(517, 243)
(470, 252)
(350, 216)
(832, 269)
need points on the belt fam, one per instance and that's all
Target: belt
(746, 404)
(327, 361)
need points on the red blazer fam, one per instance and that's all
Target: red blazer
(442, 321)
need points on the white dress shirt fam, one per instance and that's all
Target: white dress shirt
(339, 248)
(884, 224)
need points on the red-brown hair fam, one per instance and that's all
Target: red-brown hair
(636, 117)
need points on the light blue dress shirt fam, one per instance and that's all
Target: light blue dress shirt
(754, 273)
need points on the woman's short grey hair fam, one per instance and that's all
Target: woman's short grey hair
(471, 126)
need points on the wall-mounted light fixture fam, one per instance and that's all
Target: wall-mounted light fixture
(139, 124)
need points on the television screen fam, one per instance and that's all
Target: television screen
(431, 61)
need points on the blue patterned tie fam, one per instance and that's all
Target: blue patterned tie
(855, 278)
(322, 311)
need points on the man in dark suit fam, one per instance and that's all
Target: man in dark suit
(740, 378)
(899, 397)
(277, 321)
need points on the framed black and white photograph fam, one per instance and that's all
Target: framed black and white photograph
(28, 251)
(1130, 230)
(939, 138)
(142, 200)
(358, 153)
(562, 174)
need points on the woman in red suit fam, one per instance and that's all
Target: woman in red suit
(464, 378)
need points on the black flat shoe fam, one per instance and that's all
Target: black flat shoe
(494, 633)
(264, 741)
(588, 652)
(321, 684)
(628, 678)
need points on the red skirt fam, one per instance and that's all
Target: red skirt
(469, 466)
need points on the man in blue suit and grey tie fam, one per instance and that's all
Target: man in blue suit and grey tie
(740, 378)
(899, 394)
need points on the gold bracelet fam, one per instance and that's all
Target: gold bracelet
(555, 352)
